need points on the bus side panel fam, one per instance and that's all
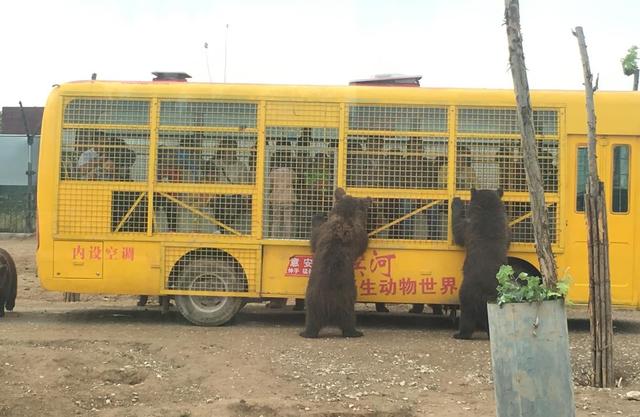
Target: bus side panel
(46, 189)
(382, 275)
(79, 260)
(285, 270)
(132, 267)
(114, 267)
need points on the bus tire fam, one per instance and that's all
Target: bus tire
(520, 265)
(212, 275)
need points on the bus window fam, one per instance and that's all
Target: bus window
(504, 121)
(581, 177)
(300, 176)
(620, 187)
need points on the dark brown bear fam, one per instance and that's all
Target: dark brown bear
(8, 282)
(484, 232)
(336, 243)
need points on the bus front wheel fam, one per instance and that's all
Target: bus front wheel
(210, 275)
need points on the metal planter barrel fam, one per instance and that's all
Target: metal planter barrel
(530, 359)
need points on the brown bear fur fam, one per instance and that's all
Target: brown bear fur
(484, 233)
(8, 282)
(336, 243)
(318, 220)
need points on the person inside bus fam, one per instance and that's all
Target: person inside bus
(281, 196)
(549, 168)
(355, 164)
(319, 186)
(394, 173)
(383, 168)
(370, 169)
(282, 203)
(423, 173)
(302, 182)
(466, 178)
(512, 176)
(232, 209)
(438, 170)
(89, 164)
(416, 175)
(193, 222)
(315, 179)
(251, 163)
(167, 172)
(189, 158)
(189, 162)
(117, 164)
(85, 158)
(231, 168)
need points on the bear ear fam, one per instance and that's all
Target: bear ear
(500, 192)
(339, 193)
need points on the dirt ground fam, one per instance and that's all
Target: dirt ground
(103, 356)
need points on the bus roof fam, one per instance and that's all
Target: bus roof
(617, 111)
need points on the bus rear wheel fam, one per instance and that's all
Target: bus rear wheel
(210, 275)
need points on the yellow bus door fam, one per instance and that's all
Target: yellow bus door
(614, 168)
(621, 209)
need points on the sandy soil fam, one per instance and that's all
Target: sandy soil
(103, 356)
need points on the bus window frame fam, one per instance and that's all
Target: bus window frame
(629, 194)
(575, 193)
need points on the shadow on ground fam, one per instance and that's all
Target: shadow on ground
(256, 315)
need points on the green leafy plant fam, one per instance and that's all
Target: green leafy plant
(630, 61)
(527, 289)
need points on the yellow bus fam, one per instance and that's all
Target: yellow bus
(206, 192)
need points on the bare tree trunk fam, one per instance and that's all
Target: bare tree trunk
(596, 216)
(635, 80)
(529, 148)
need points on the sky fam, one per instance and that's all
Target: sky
(451, 43)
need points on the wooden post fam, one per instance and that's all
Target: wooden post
(529, 149)
(598, 245)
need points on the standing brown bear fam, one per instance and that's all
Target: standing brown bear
(336, 243)
(8, 282)
(484, 232)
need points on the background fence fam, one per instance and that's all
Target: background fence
(17, 215)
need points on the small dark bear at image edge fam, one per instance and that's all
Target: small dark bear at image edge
(8, 282)
(484, 232)
(336, 243)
